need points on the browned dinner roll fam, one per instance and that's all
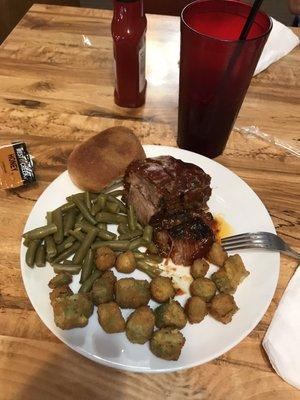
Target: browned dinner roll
(104, 157)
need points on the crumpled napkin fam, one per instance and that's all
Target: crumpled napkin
(281, 41)
(282, 340)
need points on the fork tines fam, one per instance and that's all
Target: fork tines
(246, 241)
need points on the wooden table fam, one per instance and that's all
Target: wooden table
(56, 89)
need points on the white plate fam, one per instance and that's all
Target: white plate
(244, 211)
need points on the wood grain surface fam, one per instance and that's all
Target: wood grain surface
(56, 90)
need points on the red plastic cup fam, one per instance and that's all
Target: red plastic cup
(215, 71)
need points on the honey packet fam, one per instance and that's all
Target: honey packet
(16, 166)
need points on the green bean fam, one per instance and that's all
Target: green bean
(113, 185)
(41, 232)
(87, 201)
(99, 204)
(150, 270)
(79, 196)
(123, 228)
(79, 218)
(102, 234)
(93, 196)
(51, 250)
(136, 243)
(111, 218)
(67, 253)
(105, 235)
(58, 221)
(138, 255)
(116, 193)
(131, 218)
(87, 285)
(114, 244)
(88, 265)
(112, 207)
(66, 244)
(49, 217)
(152, 249)
(131, 235)
(60, 280)
(67, 262)
(154, 257)
(148, 233)
(66, 207)
(77, 234)
(26, 242)
(84, 247)
(72, 269)
(121, 205)
(69, 221)
(102, 226)
(31, 252)
(151, 262)
(85, 226)
(40, 257)
(84, 211)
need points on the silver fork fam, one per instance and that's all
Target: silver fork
(263, 240)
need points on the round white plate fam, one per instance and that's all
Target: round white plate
(241, 208)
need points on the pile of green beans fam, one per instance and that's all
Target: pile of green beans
(79, 227)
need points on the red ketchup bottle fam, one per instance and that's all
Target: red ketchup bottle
(128, 29)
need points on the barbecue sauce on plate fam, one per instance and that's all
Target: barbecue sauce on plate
(221, 227)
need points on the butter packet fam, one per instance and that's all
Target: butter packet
(16, 166)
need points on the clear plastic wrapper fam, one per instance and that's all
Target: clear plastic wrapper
(289, 146)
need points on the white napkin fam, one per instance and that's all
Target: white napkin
(282, 340)
(281, 41)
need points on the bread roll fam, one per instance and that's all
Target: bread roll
(104, 157)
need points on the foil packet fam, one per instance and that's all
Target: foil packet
(16, 166)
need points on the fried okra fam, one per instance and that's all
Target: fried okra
(111, 318)
(60, 280)
(235, 269)
(162, 289)
(72, 311)
(170, 315)
(103, 288)
(140, 325)
(195, 309)
(132, 293)
(223, 307)
(61, 291)
(126, 262)
(199, 268)
(204, 288)
(167, 343)
(105, 258)
(217, 255)
(223, 283)
(231, 275)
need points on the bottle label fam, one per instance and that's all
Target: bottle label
(142, 65)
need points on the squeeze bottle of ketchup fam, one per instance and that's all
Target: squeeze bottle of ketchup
(128, 30)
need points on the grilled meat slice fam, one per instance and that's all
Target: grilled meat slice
(183, 235)
(164, 182)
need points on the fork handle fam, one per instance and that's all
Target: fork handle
(292, 253)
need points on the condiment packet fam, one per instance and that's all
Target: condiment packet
(16, 166)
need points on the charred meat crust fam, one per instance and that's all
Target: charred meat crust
(183, 236)
(165, 182)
